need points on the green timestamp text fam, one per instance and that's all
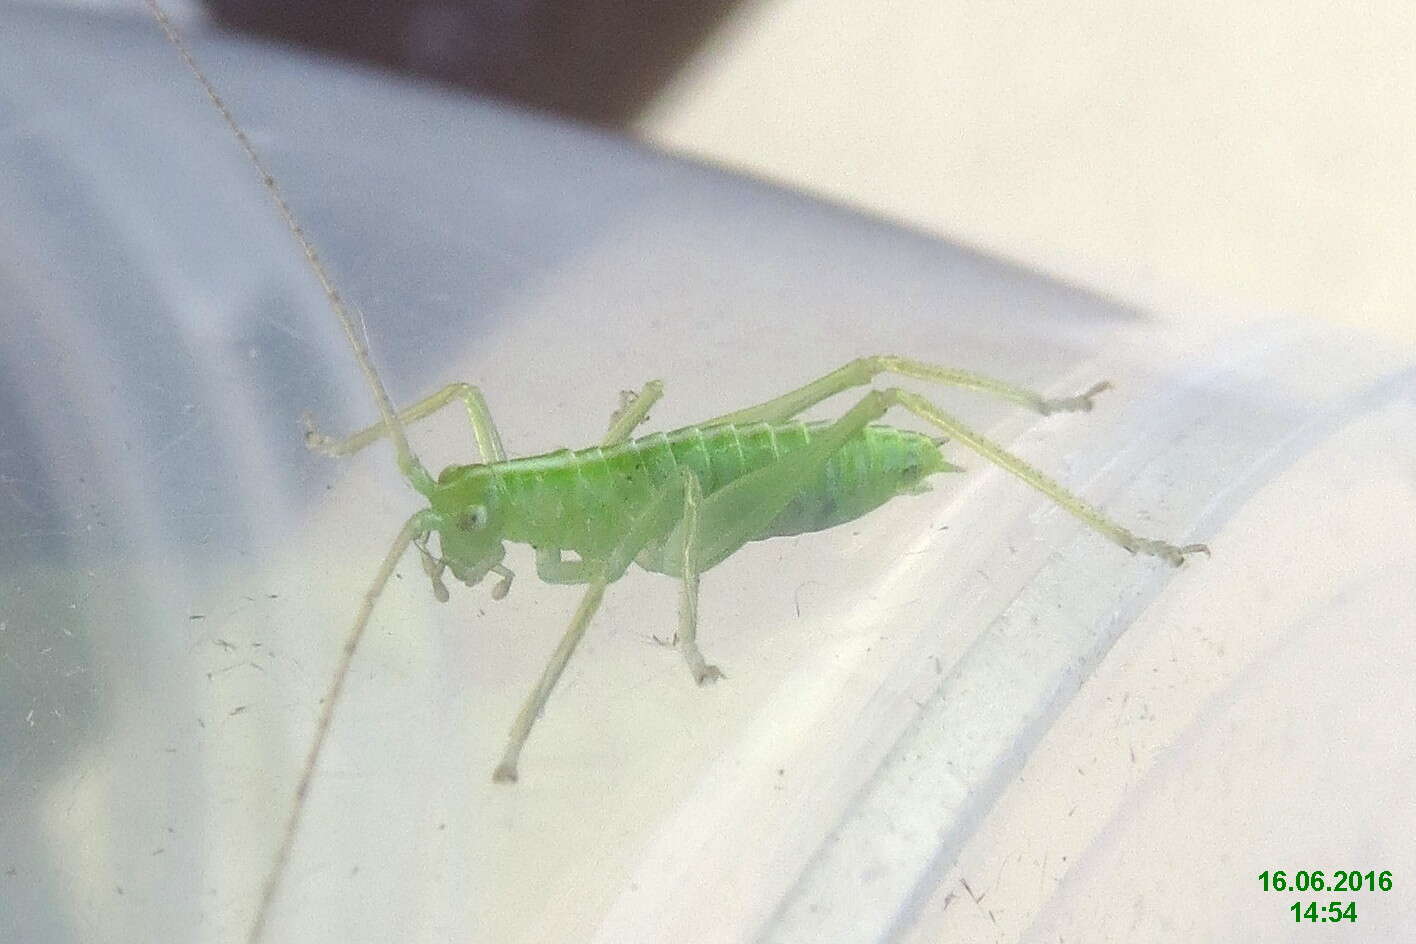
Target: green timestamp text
(1320, 880)
(1329, 913)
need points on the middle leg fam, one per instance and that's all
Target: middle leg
(633, 410)
(656, 520)
(551, 566)
(703, 673)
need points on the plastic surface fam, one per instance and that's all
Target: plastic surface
(904, 748)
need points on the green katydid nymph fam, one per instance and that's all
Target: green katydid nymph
(679, 503)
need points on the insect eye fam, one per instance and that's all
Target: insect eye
(474, 519)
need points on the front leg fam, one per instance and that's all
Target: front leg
(484, 429)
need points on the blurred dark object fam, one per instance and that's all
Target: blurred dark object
(597, 60)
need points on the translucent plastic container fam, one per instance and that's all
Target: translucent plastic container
(963, 717)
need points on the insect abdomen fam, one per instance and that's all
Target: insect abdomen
(866, 472)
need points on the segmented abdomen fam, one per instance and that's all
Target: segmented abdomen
(584, 500)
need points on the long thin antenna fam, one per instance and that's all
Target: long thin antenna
(407, 462)
(411, 529)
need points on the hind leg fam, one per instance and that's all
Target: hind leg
(1088, 513)
(737, 512)
(863, 370)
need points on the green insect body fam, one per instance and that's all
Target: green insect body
(584, 500)
(676, 503)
